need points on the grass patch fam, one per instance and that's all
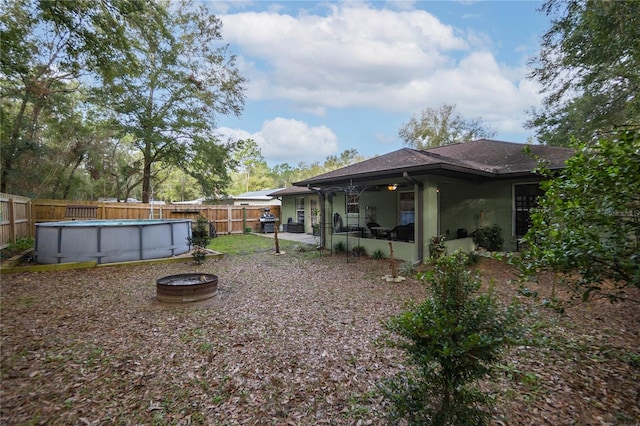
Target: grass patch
(247, 244)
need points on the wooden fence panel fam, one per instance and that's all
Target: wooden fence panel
(228, 219)
(15, 219)
(18, 215)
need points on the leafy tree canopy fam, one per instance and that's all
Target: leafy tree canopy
(47, 47)
(589, 218)
(443, 126)
(589, 67)
(170, 105)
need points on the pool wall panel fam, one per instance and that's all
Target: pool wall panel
(110, 241)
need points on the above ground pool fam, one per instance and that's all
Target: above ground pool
(109, 241)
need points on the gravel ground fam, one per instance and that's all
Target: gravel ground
(290, 339)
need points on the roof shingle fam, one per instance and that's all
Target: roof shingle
(481, 158)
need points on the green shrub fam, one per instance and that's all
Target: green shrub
(437, 249)
(359, 251)
(16, 248)
(199, 239)
(488, 237)
(378, 254)
(407, 268)
(339, 247)
(472, 258)
(452, 339)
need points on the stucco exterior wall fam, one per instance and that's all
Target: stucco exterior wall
(289, 210)
(468, 205)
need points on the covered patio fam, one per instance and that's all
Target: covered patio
(408, 196)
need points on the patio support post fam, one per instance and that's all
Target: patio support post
(420, 213)
(323, 212)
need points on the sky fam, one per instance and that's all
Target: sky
(324, 77)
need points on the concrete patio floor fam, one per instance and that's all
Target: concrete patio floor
(291, 236)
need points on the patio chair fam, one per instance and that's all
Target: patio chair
(402, 233)
(375, 233)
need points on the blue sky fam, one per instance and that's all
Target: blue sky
(324, 77)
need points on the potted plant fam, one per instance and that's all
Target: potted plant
(315, 226)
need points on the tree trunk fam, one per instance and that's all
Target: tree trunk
(146, 179)
(67, 188)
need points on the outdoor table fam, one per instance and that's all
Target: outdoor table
(380, 231)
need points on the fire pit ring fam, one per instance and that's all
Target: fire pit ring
(191, 287)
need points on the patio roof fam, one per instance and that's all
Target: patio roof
(481, 159)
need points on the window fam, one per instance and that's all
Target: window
(300, 209)
(407, 208)
(353, 205)
(525, 198)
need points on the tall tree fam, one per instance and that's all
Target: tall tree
(443, 126)
(589, 68)
(347, 157)
(47, 46)
(282, 175)
(169, 106)
(248, 157)
(70, 137)
(588, 220)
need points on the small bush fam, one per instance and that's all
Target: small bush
(199, 239)
(452, 339)
(339, 247)
(437, 249)
(489, 238)
(473, 258)
(378, 254)
(16, 248)
(407, 269)
(359, 251)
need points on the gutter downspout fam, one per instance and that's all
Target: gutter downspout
(420, 214)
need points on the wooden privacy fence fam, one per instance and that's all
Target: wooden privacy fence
(15, 219)
(227, 219)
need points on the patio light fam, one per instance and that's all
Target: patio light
(392, 186)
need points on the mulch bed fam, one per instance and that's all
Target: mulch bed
(291, 339)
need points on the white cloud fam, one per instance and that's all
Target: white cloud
(283, 140)
(358, 56)
(353, 51)
(361, 55)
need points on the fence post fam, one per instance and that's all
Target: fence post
(31, 223)
(244, 220)
(12, 220)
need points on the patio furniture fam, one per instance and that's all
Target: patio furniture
(374, 232)
(293, 227)
(81, 211)
(402, 233)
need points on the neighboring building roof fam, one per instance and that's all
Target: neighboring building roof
(292, 190)
(482, 159)
(254, 195)
(196, 201)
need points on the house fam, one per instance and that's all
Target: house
(300, 209)
(409, 196)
